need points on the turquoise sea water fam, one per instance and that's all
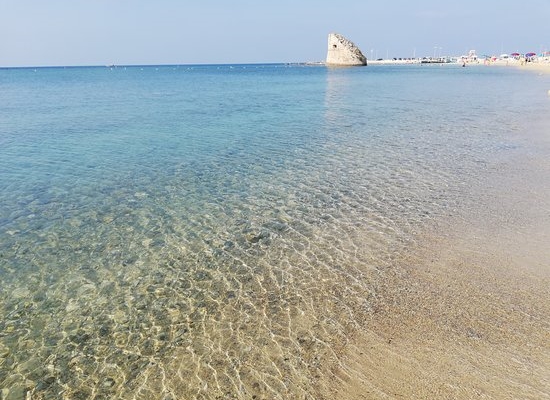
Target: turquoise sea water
(180, 232)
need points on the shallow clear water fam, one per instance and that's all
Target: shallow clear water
(220, 231)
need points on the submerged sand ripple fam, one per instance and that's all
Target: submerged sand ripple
(466, 314)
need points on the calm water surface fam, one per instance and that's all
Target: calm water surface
(220, 231)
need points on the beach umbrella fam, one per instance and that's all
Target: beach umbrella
(530, 54)
(514, 54)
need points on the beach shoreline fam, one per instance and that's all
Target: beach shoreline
(464, 313)
(537, 67)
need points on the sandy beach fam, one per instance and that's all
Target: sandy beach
(466, 313)
(541, 67)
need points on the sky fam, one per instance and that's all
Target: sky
(126, 32)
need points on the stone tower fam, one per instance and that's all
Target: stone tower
(342, 51)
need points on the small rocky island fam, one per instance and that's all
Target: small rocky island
(343, 52)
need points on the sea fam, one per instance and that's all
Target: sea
(222, 231)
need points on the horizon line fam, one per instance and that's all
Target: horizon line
(159, 65)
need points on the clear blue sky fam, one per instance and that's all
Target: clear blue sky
(98, 32)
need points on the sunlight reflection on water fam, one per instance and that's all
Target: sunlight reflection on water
(218, 234)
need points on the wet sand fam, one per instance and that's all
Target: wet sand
(465, 314)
